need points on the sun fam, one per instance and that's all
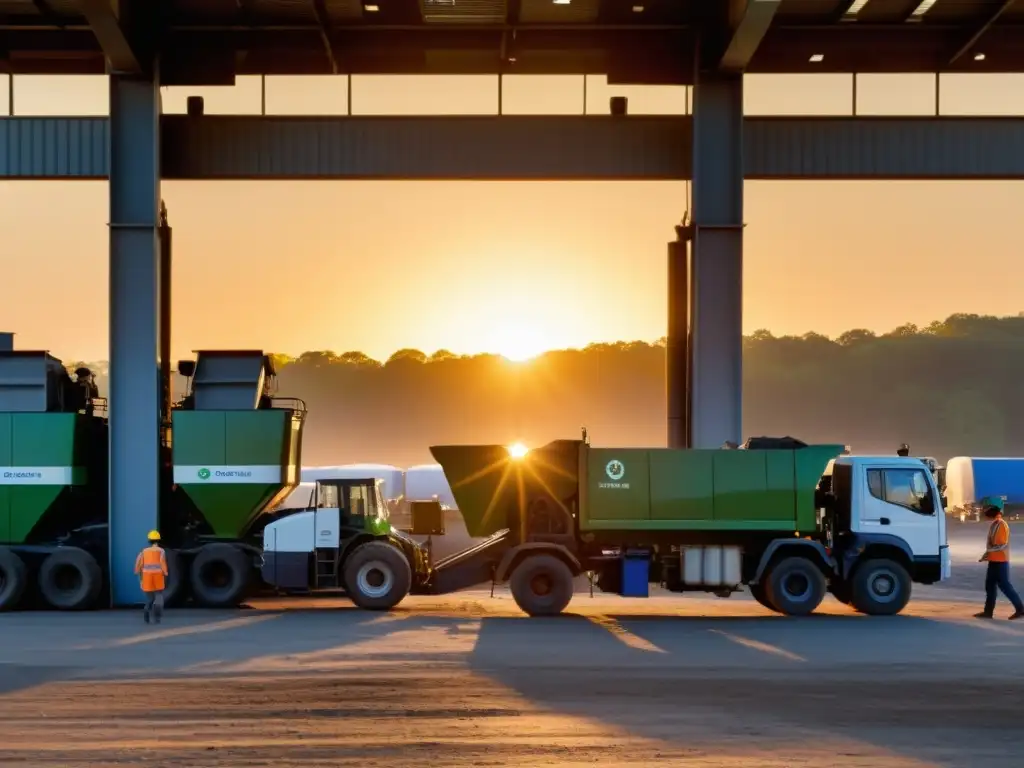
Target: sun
(517, 450)
(518, 342)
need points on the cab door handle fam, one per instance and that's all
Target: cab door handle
(884, 521)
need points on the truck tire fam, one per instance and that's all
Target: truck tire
(542, 585)
(174, 586)
(70, 579)
(377, 576)
(13, 579)
(759, 592)
(795, 586)
(220, 575)
(880, 587)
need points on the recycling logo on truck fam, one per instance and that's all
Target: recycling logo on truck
(615, 470)
(204, 474)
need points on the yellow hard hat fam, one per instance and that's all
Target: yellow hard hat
(154, 535)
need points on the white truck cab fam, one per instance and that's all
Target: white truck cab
(886, 527)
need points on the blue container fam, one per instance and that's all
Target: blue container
(635, 572)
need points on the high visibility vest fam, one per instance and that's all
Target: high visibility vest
(998, 536)
(152, 566)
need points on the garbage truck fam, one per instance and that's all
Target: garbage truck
(789, 521)
(230, 449)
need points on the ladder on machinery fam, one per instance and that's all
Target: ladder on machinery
(326, 564)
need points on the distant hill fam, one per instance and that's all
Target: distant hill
(952, 388)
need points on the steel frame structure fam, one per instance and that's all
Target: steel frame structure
(143, 44)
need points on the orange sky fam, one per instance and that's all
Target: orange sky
(289, 266)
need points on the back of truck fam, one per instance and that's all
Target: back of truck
(660, 490)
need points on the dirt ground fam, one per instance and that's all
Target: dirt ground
(468, 681)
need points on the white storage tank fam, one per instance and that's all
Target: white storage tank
(693, 565)
(301, 497)
(391, 476)
(425, 481)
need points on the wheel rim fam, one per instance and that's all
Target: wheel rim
(374, 579)
(883, 586)
(67, 578)
(796, 587)
(216, 574)
(540, 585)
(3, 580)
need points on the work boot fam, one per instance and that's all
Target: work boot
(983, 615)
(145, 617)
(1017, 615)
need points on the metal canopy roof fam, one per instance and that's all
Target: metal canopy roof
(642, 41)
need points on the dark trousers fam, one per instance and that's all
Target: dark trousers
(155, 605)
(998, 577)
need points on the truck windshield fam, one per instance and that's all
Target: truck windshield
(906, 487)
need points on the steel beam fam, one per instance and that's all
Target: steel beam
(978, 33)
(750, 22)
(111, 36)
(134, 326)
(717, 261)
(522, 148)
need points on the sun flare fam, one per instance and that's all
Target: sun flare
(518, 343)
(517, 450)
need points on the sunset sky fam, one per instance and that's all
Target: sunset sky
(486, 266)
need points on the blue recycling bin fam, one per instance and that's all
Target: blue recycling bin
(635, 572)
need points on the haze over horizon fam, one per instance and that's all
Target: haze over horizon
(499, 266)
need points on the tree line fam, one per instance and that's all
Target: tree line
(951, 388)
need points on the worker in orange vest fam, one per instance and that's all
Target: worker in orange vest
(997, 555)
(151, 568)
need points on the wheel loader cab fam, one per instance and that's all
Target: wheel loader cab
(886, 507)
(303, 550)
(360, 503)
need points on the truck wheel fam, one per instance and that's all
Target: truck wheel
(795, 586)
(174, 586)
(70, 579)
(881, 588)
(759, 592)
(13, 579)
(220, 575)
(542, 585)
(377, 576)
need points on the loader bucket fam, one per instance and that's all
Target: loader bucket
(489, 484)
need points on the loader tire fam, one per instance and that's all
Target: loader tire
(176, 581)
(13, 579)
(70, 579)
(796, 586)
(220, 575)
(542, 585)
(377, 576)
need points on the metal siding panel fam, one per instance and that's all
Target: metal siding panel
(641, 147)
(427, 148)
(884, 148)
(53, 147)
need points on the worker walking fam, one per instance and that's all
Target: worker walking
(997, 555)
(151, 567)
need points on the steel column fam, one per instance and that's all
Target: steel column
(134, 326)
(677, 347)
(717, 290)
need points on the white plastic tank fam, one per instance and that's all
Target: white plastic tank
(391, 476)
(732, 566)
(712, 566)
(425, 481)
(693, 565)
